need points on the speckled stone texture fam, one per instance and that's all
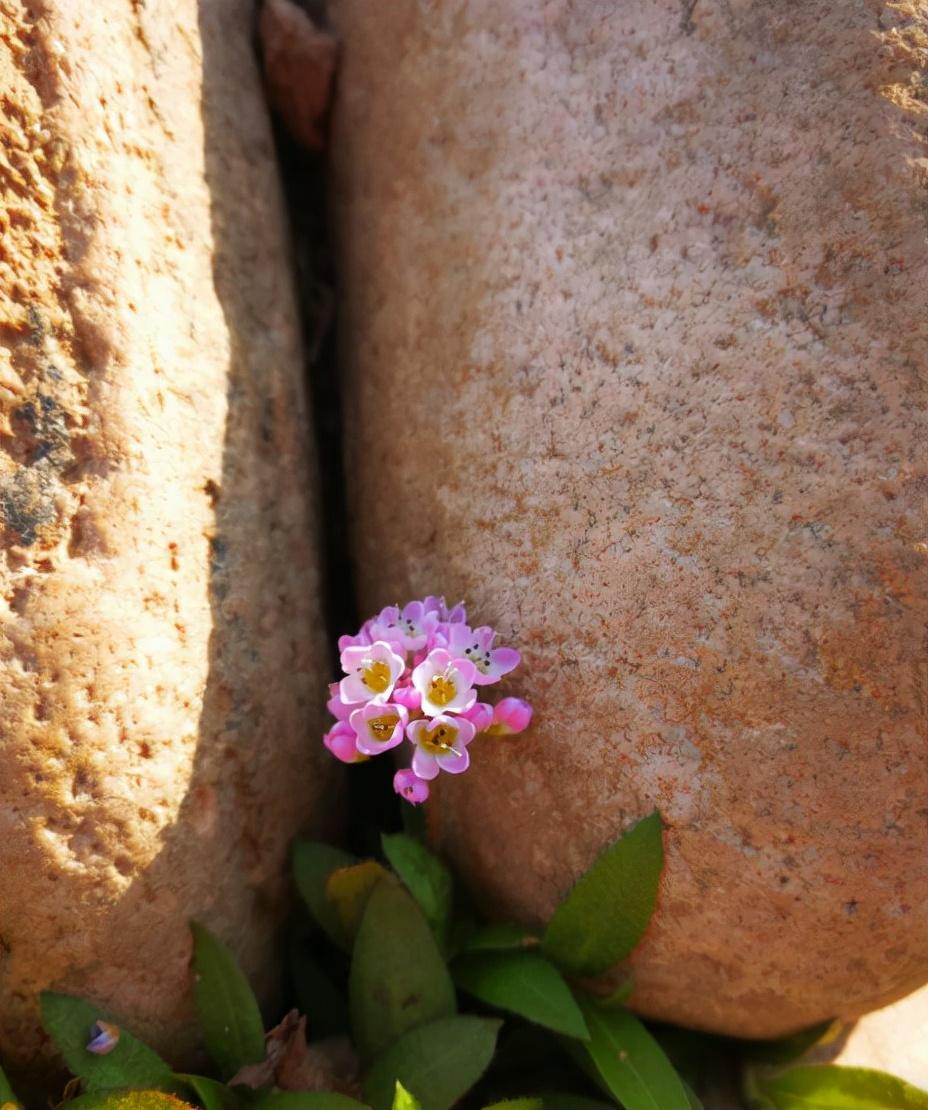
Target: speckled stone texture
(636, 310)
(160, 644)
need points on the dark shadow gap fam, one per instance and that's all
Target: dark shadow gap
(372, 805)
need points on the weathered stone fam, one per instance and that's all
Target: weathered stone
(635, 322)
(160, 645)
(299, 65)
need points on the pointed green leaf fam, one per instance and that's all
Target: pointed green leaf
(695, 1103)
(306, 1100)
(398, 979)
(403, 1100)
(526, 984)
(348, 889)
(437, 1063)
(607, 911)
(499, 938)
(6, 1091)
(230, 1021)
(427, 878)
(68, 1021)
(212, 1094)
(127, 1100)
(630, 1063)
(830, 1087)
(313, 863)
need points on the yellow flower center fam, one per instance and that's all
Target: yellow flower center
(376, 676)
(441, 690)
(381, 728)
(439, 740)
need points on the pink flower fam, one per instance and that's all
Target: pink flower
(407, 696)
(438, 605)
(362, 639)
(512, 715)
(457, 614)
(342, 742)
(444, 683)
(409, 786)
(410, 628)
(335, 705)
(441, 745)
(480, 715)
(477, 647)
(371, 673)
(379, 726)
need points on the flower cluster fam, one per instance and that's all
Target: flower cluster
(414, 674)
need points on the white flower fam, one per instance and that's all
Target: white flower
(371, 672)
(445, 683)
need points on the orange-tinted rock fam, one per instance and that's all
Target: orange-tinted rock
(299, 65)
(636, 321)
(160, 641)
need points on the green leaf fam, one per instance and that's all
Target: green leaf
(6, 1091)
(68, 1021)
(427, 878)
(436, 1063)
(306, 1100)
(630, 1063)
(695, 1103)
(348, 889)
(403, 1100)
(525, 983)
(517, 1104)
(499, 938)
(607, 911)
(127, 1100)
(831, 1087)
(787, 1049)
(230, 1021)
(313, 863)
(211, 1093)
(398, 979)
(619, 996)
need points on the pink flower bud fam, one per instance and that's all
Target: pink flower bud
(511, 715)
(480, 716)
(409, 786)
(342, 742)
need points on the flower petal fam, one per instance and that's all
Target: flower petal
(455, 763)
(502, 661)
(424, 765)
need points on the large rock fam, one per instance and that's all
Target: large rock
(160, 643)
(636, 322)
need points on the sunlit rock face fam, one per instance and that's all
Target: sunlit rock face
(635, 330)
(160, 643)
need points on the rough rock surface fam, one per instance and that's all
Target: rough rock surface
(160, 646)
(636, 322)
